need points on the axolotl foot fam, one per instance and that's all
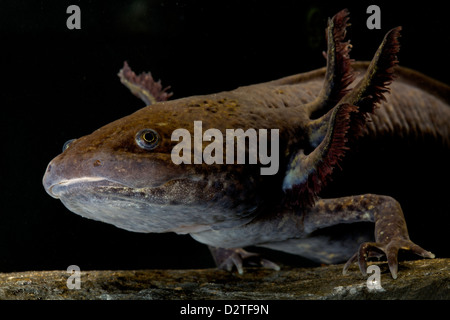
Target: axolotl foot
(391, 235)
(390, 249)
(226, 259)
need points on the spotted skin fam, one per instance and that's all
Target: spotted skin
(391, 233)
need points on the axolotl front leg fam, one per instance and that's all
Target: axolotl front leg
(292, 233)
(391, 233)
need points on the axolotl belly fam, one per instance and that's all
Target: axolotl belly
(246, 167)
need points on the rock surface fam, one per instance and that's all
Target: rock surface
(420, 279)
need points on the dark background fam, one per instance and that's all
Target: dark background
(59, 84)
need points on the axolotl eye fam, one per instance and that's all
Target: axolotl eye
(67, 144)
(147, 139)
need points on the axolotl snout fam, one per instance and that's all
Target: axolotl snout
(125, 174)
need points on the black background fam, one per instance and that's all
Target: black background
(59, 84)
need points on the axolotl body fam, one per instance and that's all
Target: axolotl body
(124, 173)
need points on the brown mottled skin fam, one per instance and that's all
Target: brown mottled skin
(107, 176)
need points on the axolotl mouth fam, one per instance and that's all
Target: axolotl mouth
(152, 209)
(185, 205)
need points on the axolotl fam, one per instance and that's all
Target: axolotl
(124, 173)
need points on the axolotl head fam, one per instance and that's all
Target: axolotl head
(124, 174)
